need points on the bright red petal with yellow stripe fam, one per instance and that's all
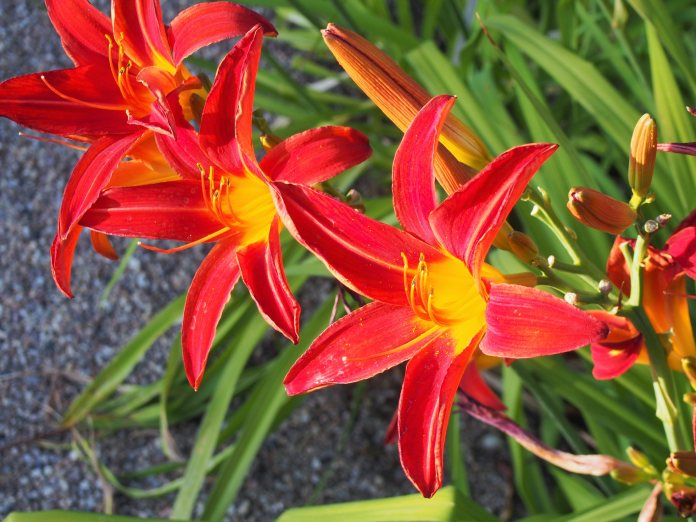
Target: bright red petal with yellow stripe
(144, 37)
(81, 28)
(209, 292)
(90, 176)
(261, 265)
(90, 104)
(430, 384)
(62, 252)
(171, 210)
(363, 253)
(316, 155)
(467, 222)
(366, 342)
(413, 175)
(210, 22)
(525, 322)
(183, 152)
(226, 131)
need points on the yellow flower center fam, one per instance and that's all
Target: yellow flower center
(445, 293)
(241, 202)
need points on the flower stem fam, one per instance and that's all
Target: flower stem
(544, 212)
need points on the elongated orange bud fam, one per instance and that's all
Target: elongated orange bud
(643, 151)
(522, 246)
(599, 211)
(399, 96)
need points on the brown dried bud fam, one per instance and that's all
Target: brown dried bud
(684, 499)
(643, 152)
(683, 462)
(522, 246)
(599, 211)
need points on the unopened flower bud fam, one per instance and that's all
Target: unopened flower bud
(683, 462)
(663, 219)
(639, 459)
(629, 474)
(501, 238)
(599, 211)
(643, 151)
(354, 199)
(268, 141)
(522, 246)
(400, 98)
(604, 286)
(688, 364)
(651, 226)
(571, 298)
(620, 16)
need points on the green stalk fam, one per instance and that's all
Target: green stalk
(668, 409)
(544, 212)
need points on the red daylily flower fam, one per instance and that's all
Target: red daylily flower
(435, 300)
(102, 166)
(619, 350)
(664, 286)
(124, 67)
(225, 197)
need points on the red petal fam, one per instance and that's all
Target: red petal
(102, 245)
(209, 292)
(430, 384)
(526, 322)
(467, 222)
(475, 387)
(618, 270)
(261, 265)
(226, 131)
(364, 254)
(316, 155)
(616, 353)
(413, 175)
(89, 104)
(362, 344)
(184, 153)
(614, 359)
(170, 210)
(139, 22)
(91, 174)
(61, 260)
(682, 247)
(81, 27)
(210, 22)
(688, 221)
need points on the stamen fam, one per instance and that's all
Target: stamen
(186, 246)
(106, 106)
(65, 143)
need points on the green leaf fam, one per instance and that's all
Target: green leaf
(656, 13)
(615, 508)
(206, 439)
(121, 366)
(676, 183)
(75, 516)
(447, 505)
(577, 76)
(266, 401)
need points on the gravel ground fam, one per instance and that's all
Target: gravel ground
(50, 346)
